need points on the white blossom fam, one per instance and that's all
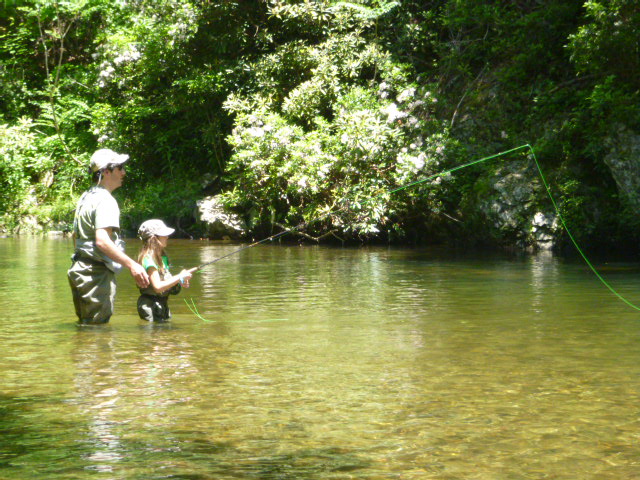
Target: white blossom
(255, 131)
(418, 162)
(407, 94)
(130, 55)
(107, 72)
(393, 113)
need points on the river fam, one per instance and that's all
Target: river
(324, 363)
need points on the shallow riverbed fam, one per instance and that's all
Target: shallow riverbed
(324, 363)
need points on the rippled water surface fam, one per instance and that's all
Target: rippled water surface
(324, 363)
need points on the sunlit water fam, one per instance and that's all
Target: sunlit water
(324, 363)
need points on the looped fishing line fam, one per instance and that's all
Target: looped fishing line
(553, 202)
(193, 308)
(575, 244)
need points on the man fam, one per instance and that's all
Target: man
(99, 252)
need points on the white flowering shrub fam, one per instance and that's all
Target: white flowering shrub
(331, 150)
(154, 31)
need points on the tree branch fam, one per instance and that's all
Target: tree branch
(475, 80)
(53, 86)
(306, 235)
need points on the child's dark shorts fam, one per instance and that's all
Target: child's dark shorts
(153, 308)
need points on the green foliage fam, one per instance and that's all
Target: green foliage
(608, 42)
(16, 166)
(605, 49)
(31, 176)
(304, 110)
(173, 200)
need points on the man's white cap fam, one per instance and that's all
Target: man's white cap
(154, 227)
(103, 157)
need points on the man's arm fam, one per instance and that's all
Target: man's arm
(106, 245)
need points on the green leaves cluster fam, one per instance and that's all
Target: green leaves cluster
(28, 167)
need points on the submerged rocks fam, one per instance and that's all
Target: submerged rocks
(219, 223)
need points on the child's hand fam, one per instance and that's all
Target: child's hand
(185, 276)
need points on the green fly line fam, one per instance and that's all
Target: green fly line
(573, 240)
(553, 202)
(193, 308)
(195, 311)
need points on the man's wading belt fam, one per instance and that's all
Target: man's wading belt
(77, 256)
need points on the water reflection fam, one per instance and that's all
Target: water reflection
(544, 273)
(116, 375)
(98, 388)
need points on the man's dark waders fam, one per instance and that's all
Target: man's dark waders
(93, 287)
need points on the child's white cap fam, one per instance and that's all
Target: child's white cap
(154, 227)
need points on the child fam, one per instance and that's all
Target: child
(153, 302)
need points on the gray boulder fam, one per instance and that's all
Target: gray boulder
(623, 161)
(219, 223)
(512, 207)
(543, 230)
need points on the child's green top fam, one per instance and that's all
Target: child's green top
(147, 263)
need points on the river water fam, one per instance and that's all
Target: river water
(324, 363)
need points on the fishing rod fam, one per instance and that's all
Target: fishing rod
(246, 247)
(264, 240)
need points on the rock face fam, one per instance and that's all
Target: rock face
(29, 225)
(220, 224)
(512, 206)
(623, 161)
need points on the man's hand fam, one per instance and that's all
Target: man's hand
(104, 243)
(139, 275)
